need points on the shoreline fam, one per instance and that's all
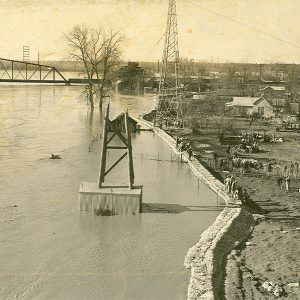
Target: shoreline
(207, 258)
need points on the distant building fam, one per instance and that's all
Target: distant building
(279, 74)
(272, 92)
(248, 106)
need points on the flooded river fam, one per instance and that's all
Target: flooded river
(50, 250)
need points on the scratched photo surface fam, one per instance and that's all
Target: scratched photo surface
(49, 248)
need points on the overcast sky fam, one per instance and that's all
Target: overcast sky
(212, 30)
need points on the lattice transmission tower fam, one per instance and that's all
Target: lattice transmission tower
(169, 99)
(25, 53)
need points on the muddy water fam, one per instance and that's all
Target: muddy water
(50, 250)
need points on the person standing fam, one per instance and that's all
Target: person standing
(246, 197)
(287, 183)
(233, 186)
(296, 170)
(228, 151)
(279, 182)
(291, 169)
(221, 164)
(215, 158)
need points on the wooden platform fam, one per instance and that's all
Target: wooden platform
(118, 200)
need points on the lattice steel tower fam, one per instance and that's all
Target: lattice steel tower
(25, 53)
(169, 74)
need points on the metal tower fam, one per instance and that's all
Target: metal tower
(168, 101)
(25, 53)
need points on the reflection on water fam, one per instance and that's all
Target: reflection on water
(49, 250)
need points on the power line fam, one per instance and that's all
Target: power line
(249, 26)
(210, 35)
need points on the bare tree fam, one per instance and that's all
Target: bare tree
(105, 57)
(78, 41)
(100, 53)
(241, 80)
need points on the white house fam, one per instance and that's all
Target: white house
(243, 106)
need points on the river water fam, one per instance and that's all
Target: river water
(50, 250)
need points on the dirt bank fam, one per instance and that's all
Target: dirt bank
(207, 259)
(250, 266)
(274, 252)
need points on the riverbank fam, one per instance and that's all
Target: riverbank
(247, 269)
(207, 259)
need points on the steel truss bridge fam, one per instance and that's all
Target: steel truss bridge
(28, 72)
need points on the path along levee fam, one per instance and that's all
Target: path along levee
(207, 258)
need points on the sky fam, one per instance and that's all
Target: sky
(259, 31)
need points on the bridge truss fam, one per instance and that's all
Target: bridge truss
(28, 72)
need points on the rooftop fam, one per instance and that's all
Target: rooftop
(243, 101)
(274, 88)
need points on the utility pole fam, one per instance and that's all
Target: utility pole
(169, 101)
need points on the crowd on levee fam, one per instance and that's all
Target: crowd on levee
(283, 171)
(236, 192)
(233, 162)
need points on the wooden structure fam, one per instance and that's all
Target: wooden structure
(115, 127)
(113, 198)
(119, 122)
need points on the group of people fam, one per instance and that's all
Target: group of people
(282, 169)
(284, 180)
(245, 163)
(235, 191)
(290, 169)
(180, 143)
(251, 137)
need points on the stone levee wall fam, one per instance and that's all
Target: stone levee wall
(207, 258)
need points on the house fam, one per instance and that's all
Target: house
(270, 92)
(248, 106)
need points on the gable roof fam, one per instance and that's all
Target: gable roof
(274, 88)
(120, 118)
(245, 101)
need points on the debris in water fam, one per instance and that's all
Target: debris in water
(55, 156)
(104, 212)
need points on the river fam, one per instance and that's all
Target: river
(51, 250)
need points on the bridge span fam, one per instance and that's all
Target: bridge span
(29, 72)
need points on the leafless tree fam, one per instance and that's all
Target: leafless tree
(241, 80)
(99, 50)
